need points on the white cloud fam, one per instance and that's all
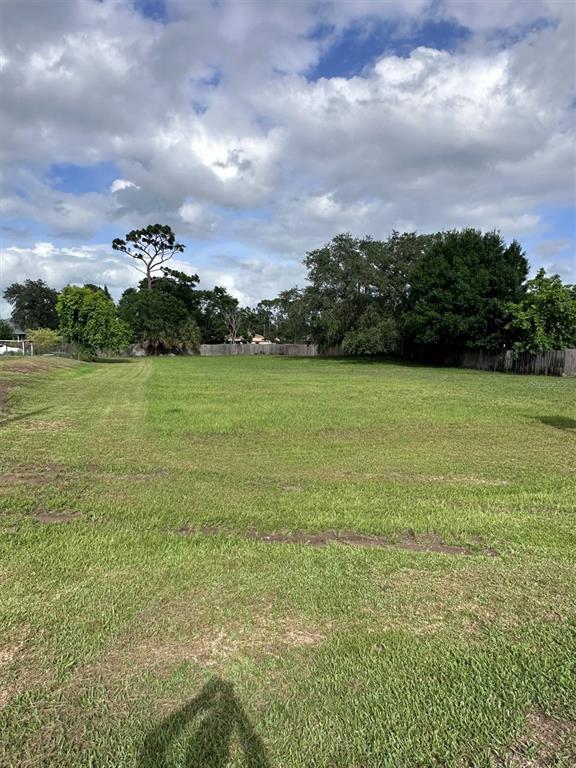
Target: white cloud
(555, 247)
(216, 128)
(119, 184)
(62, 213)
(558, 256)
(501, 14)
(248, 279)
(58, 266)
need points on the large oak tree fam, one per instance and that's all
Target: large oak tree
(33, 304)
(460, 291)
(358, 288)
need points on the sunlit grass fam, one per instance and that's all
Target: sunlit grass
(125, 643)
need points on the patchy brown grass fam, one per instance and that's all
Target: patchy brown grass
(43, 426)
(212, 646)
(19, 670)
(547, 743)
(26, 368)
(4, 389)
(217, 645)
(7, 688)
(27, 365)
(410, 478)
(19, 368)
(471, 599)
(425, 542)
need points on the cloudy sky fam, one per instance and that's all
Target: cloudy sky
(260, 128)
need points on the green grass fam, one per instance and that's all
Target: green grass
(124, 643)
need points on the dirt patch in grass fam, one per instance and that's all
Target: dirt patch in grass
(547, 743)
(39, 476)
(22, 478)
(48, 517)
(425, 542)
(49, 474)
(33, 365)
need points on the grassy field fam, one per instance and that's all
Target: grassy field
(145, 622)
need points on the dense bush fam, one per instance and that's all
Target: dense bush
(89, 319)
(44, 339)
(545, 318)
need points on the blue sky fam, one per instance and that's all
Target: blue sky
(362, 44)
(259, 130)
(79, 179)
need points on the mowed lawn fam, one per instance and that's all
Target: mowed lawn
(130, 637)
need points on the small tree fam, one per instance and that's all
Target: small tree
(43, 339)
(153, 246)
(232, 318)
(210, 313)
(545, 318)
(88, 318)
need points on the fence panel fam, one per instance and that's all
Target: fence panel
(289, 350)
(555, 362)
(15, 347)
(570, 362)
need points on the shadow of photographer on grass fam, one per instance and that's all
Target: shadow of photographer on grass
(202, 733)
(560, 422)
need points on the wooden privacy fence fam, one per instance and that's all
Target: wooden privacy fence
(289, 350)
(556, 362)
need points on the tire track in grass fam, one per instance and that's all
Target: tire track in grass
(104, 408)
(113, 412)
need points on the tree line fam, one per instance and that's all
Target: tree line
(434, 293)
